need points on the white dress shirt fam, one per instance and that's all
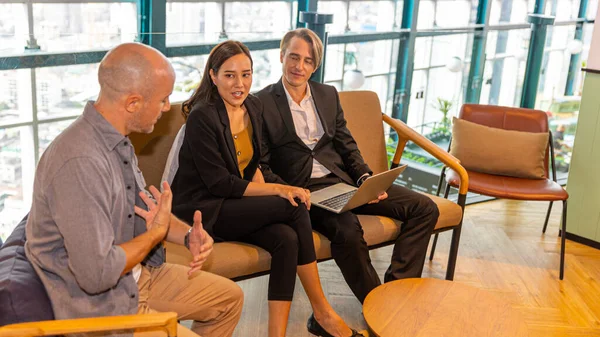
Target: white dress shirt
(308, 126)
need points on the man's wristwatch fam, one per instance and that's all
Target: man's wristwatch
(363, 178)
(186, 239)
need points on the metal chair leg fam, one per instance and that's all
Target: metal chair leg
(462, 198)
(435, 238)
(563, 240)
(547, 217)
(453, 253)
(441, 181)
(446, 192)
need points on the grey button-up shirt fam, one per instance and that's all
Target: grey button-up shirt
(86, 186)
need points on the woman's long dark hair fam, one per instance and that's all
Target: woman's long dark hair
(207, 90)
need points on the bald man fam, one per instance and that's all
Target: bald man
(94, 234)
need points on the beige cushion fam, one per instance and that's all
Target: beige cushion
(172, 164)
(236, 259)
(152, 149)
(496, 151)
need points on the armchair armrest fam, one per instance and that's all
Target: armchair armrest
(405, 134)
(166, 320)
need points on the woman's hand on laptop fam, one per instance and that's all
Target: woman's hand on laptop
(291, 193)
(381, 196)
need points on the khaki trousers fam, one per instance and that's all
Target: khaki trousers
(213, 302)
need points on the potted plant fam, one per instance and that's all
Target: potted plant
(441, 130)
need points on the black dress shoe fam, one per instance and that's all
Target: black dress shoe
(316, 329)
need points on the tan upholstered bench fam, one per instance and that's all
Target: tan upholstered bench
(237, 260)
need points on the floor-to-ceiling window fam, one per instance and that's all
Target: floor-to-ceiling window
(50, 49)
(36, 104)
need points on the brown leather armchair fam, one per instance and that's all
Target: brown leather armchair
(517, 119)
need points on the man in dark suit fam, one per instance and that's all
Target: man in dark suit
(307, 144)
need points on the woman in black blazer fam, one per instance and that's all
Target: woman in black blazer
(219, 175)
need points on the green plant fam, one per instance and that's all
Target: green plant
(390, 148)
(444, 106)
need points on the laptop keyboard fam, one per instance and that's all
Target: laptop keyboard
(339, 201)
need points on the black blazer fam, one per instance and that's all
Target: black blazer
(208, 169)
(286, 159)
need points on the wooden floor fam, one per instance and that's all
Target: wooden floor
(502, 250)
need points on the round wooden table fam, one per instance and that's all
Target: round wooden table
(431, 307)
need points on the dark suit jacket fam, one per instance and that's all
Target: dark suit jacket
(208, 168)
(286, 159)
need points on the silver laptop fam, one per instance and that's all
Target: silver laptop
(343, 197)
